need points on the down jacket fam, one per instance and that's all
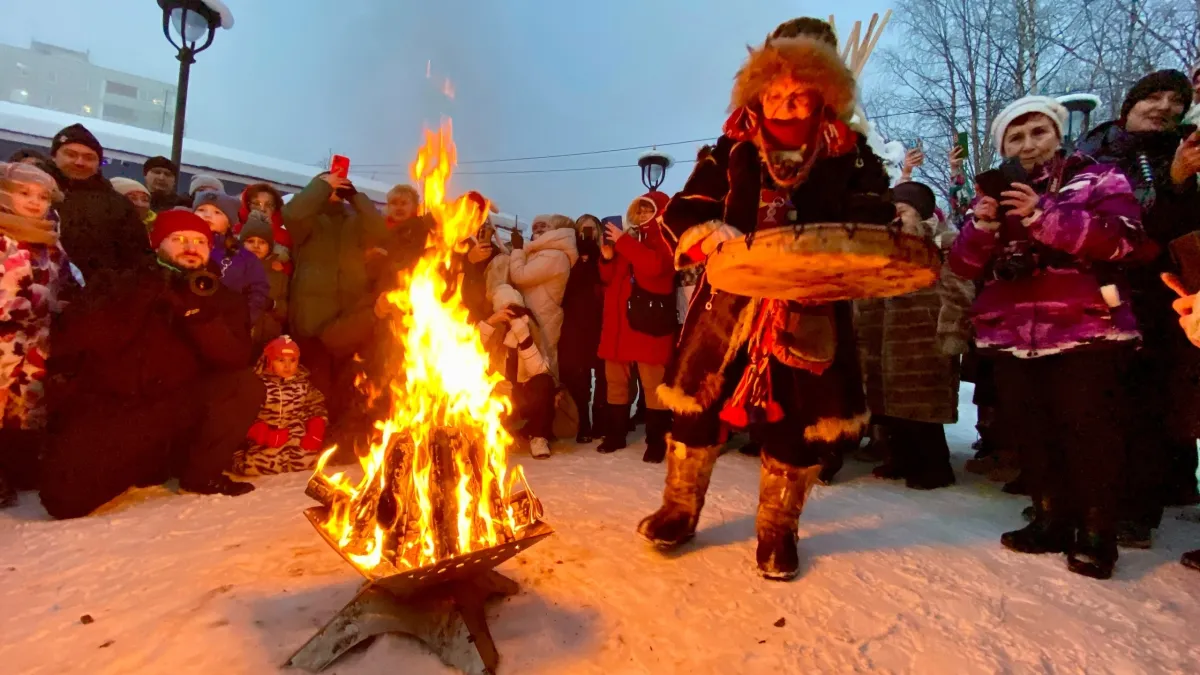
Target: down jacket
(540, 272)
(643, 257)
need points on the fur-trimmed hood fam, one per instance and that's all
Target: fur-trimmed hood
(806, 59)
(658, 199)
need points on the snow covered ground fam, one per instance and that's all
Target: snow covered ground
(895, 581)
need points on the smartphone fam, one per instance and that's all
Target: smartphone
(992, 183)
(964, 143)
(1185, 251)
(340, 166)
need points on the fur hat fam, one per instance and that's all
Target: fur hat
(160, 162)
(917, 195)
(228, 205)
(505, 295)
(1023, 106)
(126, 186)
(257, 225)
(808, 26)
(1162, 80)
(177, 220)
(807, 59)
(78, 134)
(205, 182)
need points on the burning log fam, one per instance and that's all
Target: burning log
(321, 490)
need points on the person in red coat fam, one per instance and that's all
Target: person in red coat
(640, 320)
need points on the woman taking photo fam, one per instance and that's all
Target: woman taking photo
(1044, 236)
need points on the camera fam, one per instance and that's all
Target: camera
(203, 283)
(1019, 263)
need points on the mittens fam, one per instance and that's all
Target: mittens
(276, 438)
(520, 329)
(314, 434)
(258, 433)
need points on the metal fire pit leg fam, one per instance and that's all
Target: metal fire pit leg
(450, 619)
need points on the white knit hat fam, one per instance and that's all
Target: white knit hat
(125, 186)
(1022, 106)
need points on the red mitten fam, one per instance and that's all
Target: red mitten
(314, 434)
(258, 433)
(277, 438)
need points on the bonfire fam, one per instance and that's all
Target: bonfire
(435, 483)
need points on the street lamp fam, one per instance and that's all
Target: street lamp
(654, 169)
(193, 21)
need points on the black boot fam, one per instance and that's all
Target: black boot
(1047, 533)
(1191, 559)
(616, 430)
(688, 473)
(782, 490)
(1094, 554)
(898, 460)
(221, 485)
(929, 456)
(658, 423)
(1132, 534)
(8, 494)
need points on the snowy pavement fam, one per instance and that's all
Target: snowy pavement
(894, 581)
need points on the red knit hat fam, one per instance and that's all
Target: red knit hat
(169, 222)
(281, 346)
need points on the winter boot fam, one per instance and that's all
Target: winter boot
(539, 448)
(8, 494)
(899, 454)
(688, 472)
(876, 449)
(1094, 554)
(658, 423)
(1191, 559)
(221, 485)
(616, 430)
(751, 449)
(1046, 533)
(929, 456)
(782, 490)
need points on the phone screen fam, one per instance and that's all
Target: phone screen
(964, 142)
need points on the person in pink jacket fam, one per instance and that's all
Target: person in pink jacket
(640, 320)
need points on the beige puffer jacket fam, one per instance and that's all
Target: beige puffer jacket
(540, 272)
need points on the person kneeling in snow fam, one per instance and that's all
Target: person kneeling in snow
(149, 378)
(291, 424)
(524, 365)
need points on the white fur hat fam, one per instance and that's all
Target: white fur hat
(1025, 105)
(506, 295)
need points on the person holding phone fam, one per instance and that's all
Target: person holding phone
(1160, 157)
(1056, 317)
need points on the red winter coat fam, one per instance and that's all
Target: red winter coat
(651, 262)
(282, 236)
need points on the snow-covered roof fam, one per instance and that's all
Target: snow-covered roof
(126, 142)
(1085, 98)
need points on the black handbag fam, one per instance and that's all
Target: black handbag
(654, 314)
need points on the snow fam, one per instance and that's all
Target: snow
(894, 581)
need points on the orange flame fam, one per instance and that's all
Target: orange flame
(447, 383)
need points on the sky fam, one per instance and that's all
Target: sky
(301, 79)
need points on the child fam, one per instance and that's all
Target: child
(258, 238)
(240, 270)
(33, 273)
(291, 424)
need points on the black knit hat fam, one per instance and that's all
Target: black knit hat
(917, 195)
(160, 162)
(76, 133)
(1163, 80)
(807, 26)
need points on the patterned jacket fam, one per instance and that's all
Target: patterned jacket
(1087, 219)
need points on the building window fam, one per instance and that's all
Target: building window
(87, 110)
(119, 113)
(19, 96)
(118, 89)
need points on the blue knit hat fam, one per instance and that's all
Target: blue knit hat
(228, 205)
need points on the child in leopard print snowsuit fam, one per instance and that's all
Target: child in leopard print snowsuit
(291, 424)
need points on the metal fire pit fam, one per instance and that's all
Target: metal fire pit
(441, 605)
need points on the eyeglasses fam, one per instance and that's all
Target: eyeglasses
(183, 241)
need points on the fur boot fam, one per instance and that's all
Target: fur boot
(782, 490)
(658, 423)
(688, 473)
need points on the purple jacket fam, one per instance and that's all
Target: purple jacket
(1084, 226)
(242, 272)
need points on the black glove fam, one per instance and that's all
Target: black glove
(347, 192)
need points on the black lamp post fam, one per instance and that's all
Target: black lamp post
(195, 22)
(654, 169)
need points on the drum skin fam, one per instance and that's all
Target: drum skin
(824, 262)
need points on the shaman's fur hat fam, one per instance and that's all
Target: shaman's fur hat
(807, 59)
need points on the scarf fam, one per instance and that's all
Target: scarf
(28, 230)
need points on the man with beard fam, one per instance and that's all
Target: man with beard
(101, 231)
(161, 177)
(788, 372)
(1161, 158)
(150, 380)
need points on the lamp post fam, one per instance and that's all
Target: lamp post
(654, 169)
(194, 22)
